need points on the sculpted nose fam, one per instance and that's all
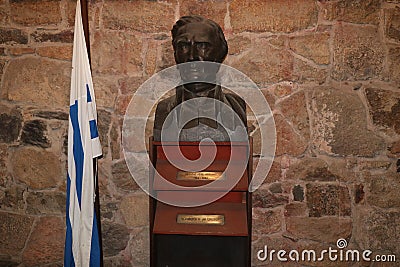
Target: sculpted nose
(193, 54)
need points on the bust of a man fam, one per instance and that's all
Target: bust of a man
(197, 41)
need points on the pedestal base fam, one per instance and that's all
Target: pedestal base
(200, 251)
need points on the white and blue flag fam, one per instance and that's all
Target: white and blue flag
(82, 239)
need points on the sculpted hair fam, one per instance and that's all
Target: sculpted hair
(218, 31)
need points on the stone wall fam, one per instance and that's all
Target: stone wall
(330, 71)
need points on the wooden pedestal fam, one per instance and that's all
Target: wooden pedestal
(177, 243)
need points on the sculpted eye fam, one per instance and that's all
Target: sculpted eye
(202, 45)
(183, 45)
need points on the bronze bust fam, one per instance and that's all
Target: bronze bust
(195, 40)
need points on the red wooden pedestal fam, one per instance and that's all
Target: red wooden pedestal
(174, 244)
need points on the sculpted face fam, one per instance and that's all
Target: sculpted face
(197, 42)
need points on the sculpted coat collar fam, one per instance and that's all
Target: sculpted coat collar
(204, 112)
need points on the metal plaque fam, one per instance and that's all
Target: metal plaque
(199, 176)
(213, 219)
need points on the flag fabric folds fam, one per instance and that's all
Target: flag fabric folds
(82, 240)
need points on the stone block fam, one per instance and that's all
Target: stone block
(283, 89)
(378, 230)
(103, 125)
(276, 188)
(34, 133)
(257, 141)
(139, 247)
(115, 140)
(279, 41)
(11, 124)
(384, 108)
(311, 169)
(345, 169)
(46, 243)
(142, 16)
(3, 63)
(51, 115)
(129, 85)
(106, 91)
(394, 64)
(312, 46)
(122, 178)
(115, 238)
(9, 262)
(273, 16)
(42, 36)
(38, 169)
(296, 209)
(38, 81)
(4, 14)
(35, 13)
(324, 229)
(264, 199)
(362, 12)
(167, 56)
(9, 36)
(14, 231)
(44, 203)
(122, 103)
(392, 23)
(266, 221)
(116, 52)
(340, 124)
(117, 261)
(134, 210)
(384, 190)
(151, 57)
(266, 64)
(138, 163)
(328, 200)
(394, 149)
(298, 193)
(359, 193)
(238, 44)
(294, 108)
(12, 198)
(19, 51)
(288, 140)
(3, 165)
(132, 133)
(269, 97)
(304, 72)
(107, 209)
(275, 173)
(358, 53)
(103, 182)
(210, 9)
(55, 52)
(377, 165)
(70, 10)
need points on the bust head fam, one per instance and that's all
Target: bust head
(197, 39)
(203, 36)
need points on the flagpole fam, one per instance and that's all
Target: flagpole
(85, 24)
(97, 209)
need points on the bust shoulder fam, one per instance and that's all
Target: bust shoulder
(238, 105)
(163, 108)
